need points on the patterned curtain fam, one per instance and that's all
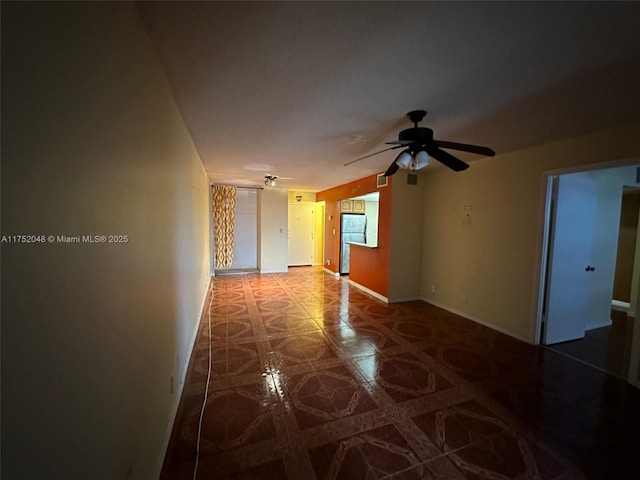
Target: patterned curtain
(224, 209)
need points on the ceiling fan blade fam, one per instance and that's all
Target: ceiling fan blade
(447, 159)
(393, 168)
(371, 155)
(466, 148)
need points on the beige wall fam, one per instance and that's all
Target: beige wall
(492, 255)
(406, 238)
(272, 230)
(93, 144)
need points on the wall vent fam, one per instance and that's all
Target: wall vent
(412, 179)
(382, 181)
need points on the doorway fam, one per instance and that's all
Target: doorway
(625, 282)
(583, 222)
(301, 234)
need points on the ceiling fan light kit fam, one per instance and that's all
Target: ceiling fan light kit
(420, 160)
(420, 147)
(403, 160)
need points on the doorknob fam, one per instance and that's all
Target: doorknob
(589, 268)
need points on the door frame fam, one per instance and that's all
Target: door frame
(548, 193)
(544, 229)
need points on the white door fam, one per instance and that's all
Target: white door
(569, 261)
(300, 234)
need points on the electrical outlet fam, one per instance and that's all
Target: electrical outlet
(173, 382)
(433, 288)
(466, 299)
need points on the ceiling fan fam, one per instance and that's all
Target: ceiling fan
(271, 179)
(420, 146)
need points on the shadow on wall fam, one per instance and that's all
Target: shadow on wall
(612, 92)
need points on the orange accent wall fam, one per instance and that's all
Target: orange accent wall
(369, 266)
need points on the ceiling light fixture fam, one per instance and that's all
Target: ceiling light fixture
(404, 159)
(420, 160)
(270, 180)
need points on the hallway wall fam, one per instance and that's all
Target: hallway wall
(482, 227)
(94, 144)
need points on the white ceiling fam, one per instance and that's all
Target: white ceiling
(297, 89)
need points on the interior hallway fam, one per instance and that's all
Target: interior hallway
(312, 378)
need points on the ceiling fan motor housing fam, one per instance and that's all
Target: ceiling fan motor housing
(416, 134)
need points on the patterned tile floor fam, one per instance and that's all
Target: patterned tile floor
(313, 379)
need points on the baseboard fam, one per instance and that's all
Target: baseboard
(330, 272)
(180, 384)
(369, 291)
(407, 299)
(274, 271)
(236, 271)
(477, 320)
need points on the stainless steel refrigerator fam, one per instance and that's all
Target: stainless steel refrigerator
(353, 228)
